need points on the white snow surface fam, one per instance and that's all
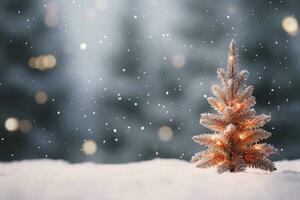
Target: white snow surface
(156, 179)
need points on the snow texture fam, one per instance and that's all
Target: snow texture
(156, 179)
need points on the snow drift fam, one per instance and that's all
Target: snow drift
(156, 179)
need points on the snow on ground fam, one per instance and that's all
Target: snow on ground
(157, 179)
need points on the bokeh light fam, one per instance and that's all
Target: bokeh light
(11, 124)
(290, 25)
(51, 18)
(165, 133)
(41, 97)
(25, 126)
(89, 147)
(42, 62)
(178, 61)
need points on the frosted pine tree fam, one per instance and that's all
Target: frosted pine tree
(234, 145)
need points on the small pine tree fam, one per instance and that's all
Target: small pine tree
(235, 145)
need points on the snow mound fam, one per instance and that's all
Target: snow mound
(157, 179)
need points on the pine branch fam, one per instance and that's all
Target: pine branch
(245, 113)
(264, 149)
(243, 76)
(254, 136)
(236, 165)
(256, 122)
(208, 159)
(230, 90)
(232, 60)
(216, 104)
(223, 76)
(219, 93)
(245, 94)
(213, 122)
(264, 164)
(249, 102)
(229, 114)
(230, 130)
(210, 140)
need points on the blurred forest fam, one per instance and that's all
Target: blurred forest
(109, 81)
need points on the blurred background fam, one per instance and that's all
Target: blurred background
(118, 81)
